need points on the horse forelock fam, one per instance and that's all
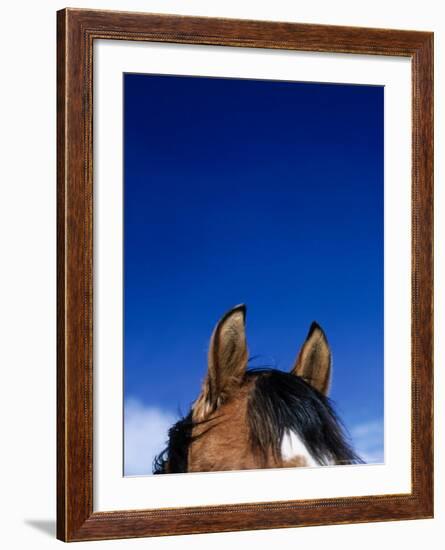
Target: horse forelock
(284, 411)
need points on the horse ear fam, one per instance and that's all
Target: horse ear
(227, 361)
(314, 361)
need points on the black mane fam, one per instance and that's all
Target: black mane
(280, 402)
(175, 454)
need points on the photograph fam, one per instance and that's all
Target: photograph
(224, 267)
(244, 277)
(253, 274)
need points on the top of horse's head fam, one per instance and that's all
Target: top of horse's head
(258, 418)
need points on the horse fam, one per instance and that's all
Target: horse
(251, 418)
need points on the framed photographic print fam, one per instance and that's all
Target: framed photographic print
(245, 228)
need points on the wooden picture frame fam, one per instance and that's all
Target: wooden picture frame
(76, 32)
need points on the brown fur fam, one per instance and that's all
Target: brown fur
(222, 442)
(296, 462)
(314, 360)
(227, 362)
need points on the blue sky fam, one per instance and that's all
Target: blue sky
(258, 192)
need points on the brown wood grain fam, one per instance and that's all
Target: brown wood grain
(76, 32)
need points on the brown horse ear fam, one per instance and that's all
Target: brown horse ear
(227, 361)
(314, 361)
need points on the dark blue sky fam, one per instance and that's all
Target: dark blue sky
(262, 192)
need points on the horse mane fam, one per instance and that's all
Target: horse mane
(279, 403)
(173, 459)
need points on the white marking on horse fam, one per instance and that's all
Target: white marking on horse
(292, 446)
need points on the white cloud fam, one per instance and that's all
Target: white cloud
(367, 439)
(145, 435)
